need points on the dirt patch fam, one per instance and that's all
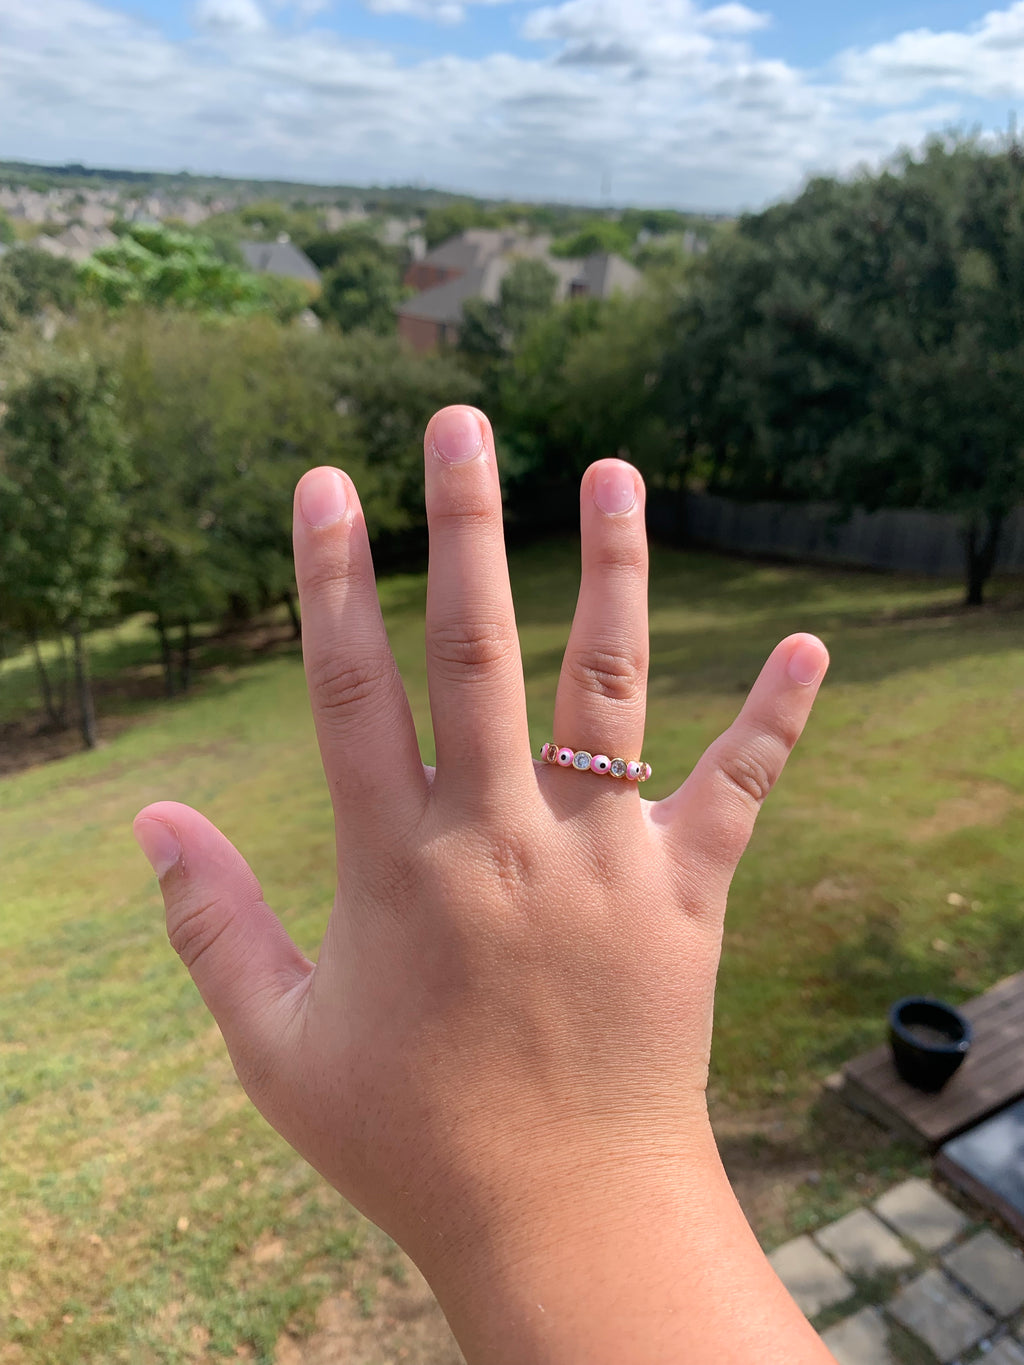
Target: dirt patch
(391, 1320)
(984, 803)
(836, 891)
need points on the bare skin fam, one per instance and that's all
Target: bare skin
(501, 1054)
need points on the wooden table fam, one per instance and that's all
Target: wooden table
(991, 1076)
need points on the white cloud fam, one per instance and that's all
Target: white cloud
(668, 100)
(230, 16)
(733, 19)
(985, 62)
(440, 11)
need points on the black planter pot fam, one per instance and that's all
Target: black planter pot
(929, 1041)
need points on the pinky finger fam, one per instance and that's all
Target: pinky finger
(710, 819)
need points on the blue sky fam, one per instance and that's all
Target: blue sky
(699, 104)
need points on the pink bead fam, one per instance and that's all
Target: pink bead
(564, 757)
(600, 763)
(633, 770)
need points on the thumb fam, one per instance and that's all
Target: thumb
(247, 969)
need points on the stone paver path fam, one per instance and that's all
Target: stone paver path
(909, 1280)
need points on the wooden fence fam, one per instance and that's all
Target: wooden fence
(904, 540)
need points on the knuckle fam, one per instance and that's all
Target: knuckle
(330, 570)
(336, 689)
(617, 675)
(457, 512)
(746, 774)
(465, 647)
(628, 558)
(195, 932)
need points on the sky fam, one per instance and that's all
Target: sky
(708, 106)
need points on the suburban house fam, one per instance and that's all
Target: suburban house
(281, 257)
(473, 264)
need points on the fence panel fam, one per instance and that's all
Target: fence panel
(905, 540)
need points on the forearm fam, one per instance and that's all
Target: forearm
(635, 1269)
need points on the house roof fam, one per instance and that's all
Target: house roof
(605, 274)
(279, 258)
(471, 249)
(601, 275)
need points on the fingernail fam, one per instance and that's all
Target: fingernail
(456, 435)
(322, 498)
(806, 664)
(160, 845)
(615, 489)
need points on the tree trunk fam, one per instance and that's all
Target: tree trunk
(166, 656)
(49, 701)
(65, 673)
(982, 547)
(293, 612)
(86, 710)
(186, 656)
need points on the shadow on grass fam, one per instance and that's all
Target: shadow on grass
(128, 681)
(732, 612)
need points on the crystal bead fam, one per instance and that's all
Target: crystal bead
(582, 760)
(618, 767)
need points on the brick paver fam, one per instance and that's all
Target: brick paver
(813, 1280)
(863, 1339)
(991, 1269)
(863, 1245)
(919, 1212)
(1008, 1352)
(934, 1309)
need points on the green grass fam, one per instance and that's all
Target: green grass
(137, 1185)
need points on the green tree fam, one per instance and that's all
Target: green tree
(154, 266)
(64, 469)
(448, 220)
(224, 414)
(598, 235)
(489, 331)
(7, 233)
(583, 383)
(859, 344)
(32, 281)
(361, 290)
(325, 249)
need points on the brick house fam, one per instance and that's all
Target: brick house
(473, 265)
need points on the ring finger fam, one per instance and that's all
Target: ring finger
(602, 691)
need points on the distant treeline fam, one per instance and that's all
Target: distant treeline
(861, 345)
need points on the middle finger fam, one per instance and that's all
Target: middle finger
(474, 667)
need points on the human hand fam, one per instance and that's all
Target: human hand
(513, 997)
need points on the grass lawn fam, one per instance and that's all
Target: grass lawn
(148, 1215)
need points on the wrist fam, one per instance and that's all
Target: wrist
(638, 1258)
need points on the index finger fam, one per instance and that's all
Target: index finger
(363, 723)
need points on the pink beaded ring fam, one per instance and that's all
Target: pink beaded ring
(582, 761)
